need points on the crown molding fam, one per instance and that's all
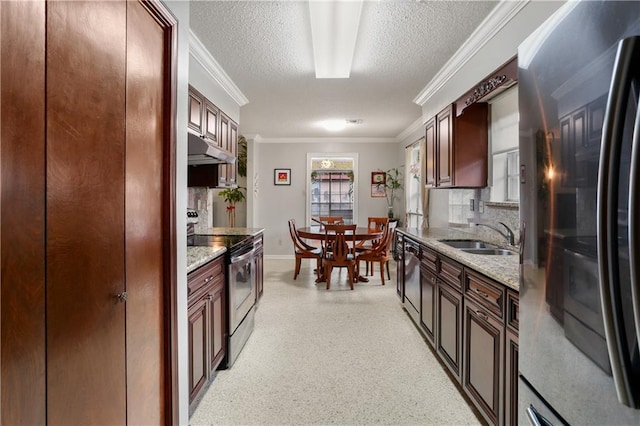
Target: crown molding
(488, 28)
(326, 140)
(413, 127)
(202, 55)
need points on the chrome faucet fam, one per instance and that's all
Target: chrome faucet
(509, 235)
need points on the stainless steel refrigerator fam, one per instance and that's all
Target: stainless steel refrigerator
(578, 85)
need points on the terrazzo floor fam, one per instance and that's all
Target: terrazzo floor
(332, 357)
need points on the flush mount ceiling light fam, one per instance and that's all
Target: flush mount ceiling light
(334, 28)
(334, 125)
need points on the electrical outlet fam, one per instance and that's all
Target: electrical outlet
(471, 204)
(480, 206)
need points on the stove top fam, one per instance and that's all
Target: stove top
(231, 242)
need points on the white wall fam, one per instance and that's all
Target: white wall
(273, 206)
(180, 11)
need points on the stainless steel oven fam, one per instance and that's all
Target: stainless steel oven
(411, 268)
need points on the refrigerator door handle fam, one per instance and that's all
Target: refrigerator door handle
(634, 229)
(625, 66)
(535, 418)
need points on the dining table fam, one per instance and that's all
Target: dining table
(317, 232)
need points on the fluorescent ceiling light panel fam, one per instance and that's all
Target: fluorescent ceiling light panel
(334, 125)
(334, 29)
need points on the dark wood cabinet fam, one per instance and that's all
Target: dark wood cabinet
(87, 307)
(211, 113)
(483, 360)
(196, 112)
(511, 360)
(430, 155)
(428, 284)
(457, 147)
(449, 328)
(228, 137)
(207, 323)
(444, 146)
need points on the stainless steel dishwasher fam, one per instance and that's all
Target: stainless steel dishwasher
(412, 278)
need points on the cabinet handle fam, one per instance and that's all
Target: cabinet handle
(433, 280)
(121, 297)
(206, 280)
(481, 293)
(482, 315)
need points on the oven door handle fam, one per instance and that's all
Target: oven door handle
(634, 229)
(243, 257)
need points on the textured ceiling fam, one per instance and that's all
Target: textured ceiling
(265, 48)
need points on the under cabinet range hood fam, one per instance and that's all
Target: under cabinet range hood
(206, 151)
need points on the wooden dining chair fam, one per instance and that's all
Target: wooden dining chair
(342, 239)
(381, 252)
(303, 250)
(374, 224)
(331, 220)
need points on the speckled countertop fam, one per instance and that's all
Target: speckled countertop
(198, 256)
(230, 231)
(504, 269)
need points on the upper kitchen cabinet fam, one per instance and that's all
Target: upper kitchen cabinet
(227, 173)
(457, 147)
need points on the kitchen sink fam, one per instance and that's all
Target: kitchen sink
(489, 251)
(468, 244)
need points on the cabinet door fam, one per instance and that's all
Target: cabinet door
(511, 379)
(211, 114)
(198, 343)
(232, 169)
(223, 142)
(449, 327)
(444, 138)
(217, 341)
(483, 361)
(430, 155)
(428, 283)
(196, 111)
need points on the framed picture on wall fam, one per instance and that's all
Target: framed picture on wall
(377, 190)
(378, 178)
(282, 176)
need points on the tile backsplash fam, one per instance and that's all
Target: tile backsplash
(461, 215)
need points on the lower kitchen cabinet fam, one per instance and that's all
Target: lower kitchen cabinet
(483, 370)
(428, 284)
(207, 323)
(471, 321)
(449, 327)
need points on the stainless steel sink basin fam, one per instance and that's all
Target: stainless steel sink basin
(468, 244)
(489, 251)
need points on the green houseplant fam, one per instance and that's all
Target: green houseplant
(232, 196)
(393, 181)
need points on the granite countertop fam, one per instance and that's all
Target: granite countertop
(230, 231)
(198, 256)
(504, 269)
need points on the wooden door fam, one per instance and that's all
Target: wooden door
(444, 138)
(22, 248)
(198, 345)
(86, 359)
(483, 361)
(96, 167)
(430, 158)
(217, 323)
(428, 282)
(146, 75)
(449, 331)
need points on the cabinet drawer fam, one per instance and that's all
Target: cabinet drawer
(513, 310)
(204, 275)
(451, 272)
(429, 259)
(488, 294)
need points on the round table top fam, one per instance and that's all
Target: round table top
(317, 233)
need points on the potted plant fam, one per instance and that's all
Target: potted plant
(393, 181)
(231, 197)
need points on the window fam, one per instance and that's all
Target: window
(413, 184)
(332, 187)
(513, 176)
